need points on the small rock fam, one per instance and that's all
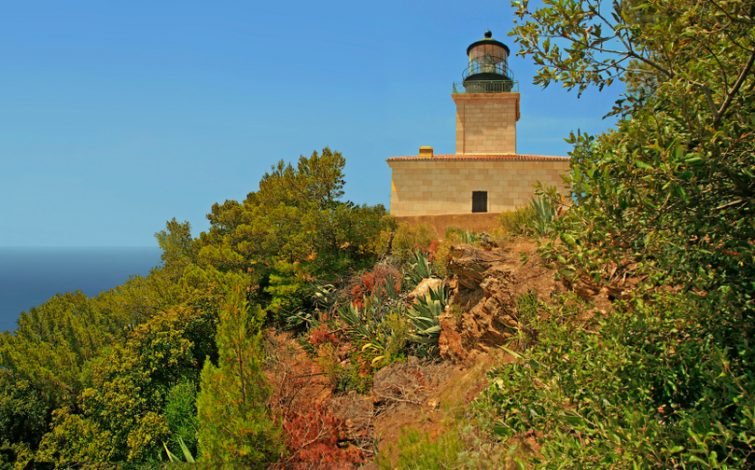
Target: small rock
(423, 288)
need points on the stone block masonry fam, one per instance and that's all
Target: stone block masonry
(485, 175)
(486, 123)
(444, 184)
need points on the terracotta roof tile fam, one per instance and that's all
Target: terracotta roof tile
(462, 157)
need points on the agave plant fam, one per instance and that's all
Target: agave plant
(425, 316)
(355, 322)
(187, 457)
(420, 269)
(321, 297)
(543, 206)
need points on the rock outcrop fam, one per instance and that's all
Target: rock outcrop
(485, 285)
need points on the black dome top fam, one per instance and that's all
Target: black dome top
(488, 40)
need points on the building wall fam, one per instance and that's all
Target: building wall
(436, 187)
(486, 122)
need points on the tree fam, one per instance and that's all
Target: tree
(119, 415)
(293, 230)
(673, 184)
(295, 217)
(177, 246)
(52, 343)
(234, 422)
(664, 199)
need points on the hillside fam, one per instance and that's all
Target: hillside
(427, 395)
(608, 328)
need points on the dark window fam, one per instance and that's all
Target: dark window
(479, 201)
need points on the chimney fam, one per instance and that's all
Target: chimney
(426, 151)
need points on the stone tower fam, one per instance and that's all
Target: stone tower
(488, 108)
(486, 175)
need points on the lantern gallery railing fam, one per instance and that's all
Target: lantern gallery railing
(487, 66)
(486, 86)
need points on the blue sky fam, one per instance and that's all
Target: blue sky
(117, 116)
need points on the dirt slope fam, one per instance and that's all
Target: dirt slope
(328, 430)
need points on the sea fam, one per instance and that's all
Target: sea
(29, 276)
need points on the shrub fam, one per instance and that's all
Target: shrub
(517, 222)
(385, 328)
(417, 450)
(459, 235)
(420, 268)
(639, 387)
(383, 280)
(234, 420)
(314, 437)
(181, 416)
(345, 374)
(406, 239)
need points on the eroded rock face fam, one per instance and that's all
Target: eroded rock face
(482, 309)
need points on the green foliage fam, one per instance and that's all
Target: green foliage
(137, 300)
(296, 217)
(186, 453)
(424, 316)
(177, 245)
(664, 200)
(418, 269)
(129, 386)
(144, 441)
(52, 343)
(462, 236)
(181, 417)
(74, 440)
(23, 411)
(57, 354)
(377, 328)
(234, 424)
(672, 186)
(287, 289)
(519, 221)
(417, 450)
(405, 239)
(637, 387)
(387, 328)
(544, 206)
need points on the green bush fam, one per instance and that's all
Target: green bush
(459, 235)
(181, 415)
(417, 450)
(639, 387)
(406, 239)
(418, 268)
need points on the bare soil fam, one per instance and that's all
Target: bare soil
(348, 430)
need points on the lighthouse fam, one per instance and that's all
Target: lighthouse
(486, 175)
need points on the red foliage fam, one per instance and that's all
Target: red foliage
(315, 436)
(321, 334)
(315, 433)
(375, 282)
(432, 249)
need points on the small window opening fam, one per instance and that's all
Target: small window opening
(479, 201)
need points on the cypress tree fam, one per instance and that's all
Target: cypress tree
(234, 423)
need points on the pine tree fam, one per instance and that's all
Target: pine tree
(234, 424)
